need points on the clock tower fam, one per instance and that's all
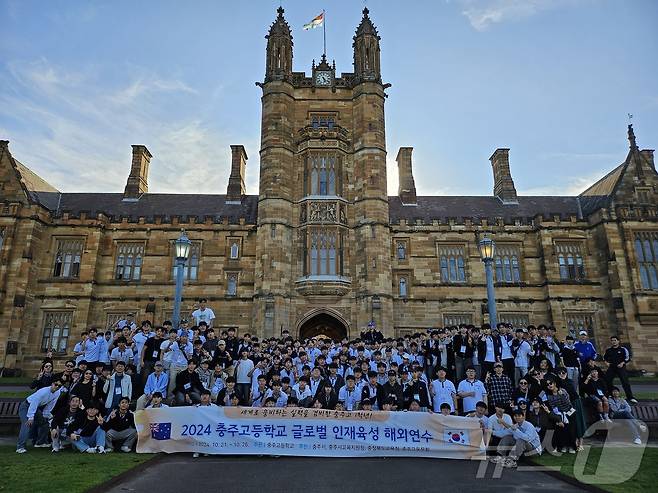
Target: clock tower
(323, 238)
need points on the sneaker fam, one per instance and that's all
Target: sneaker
(91, 450)
(509, 462)
(125, 449)
(563, 450)
(42, 445)
(580, 448)
(54, 451)
(633, 401)
(637, 441)
(495, 459)
(100, 449)
(21, 450)
(56, 448)
(195, 454)
(608, 420)
(602, 419)
(109, 450)
(572, 450)
(554, 452)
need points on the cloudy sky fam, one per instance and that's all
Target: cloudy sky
(554, 80)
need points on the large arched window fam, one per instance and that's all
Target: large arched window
(323, 252)
(322, 175)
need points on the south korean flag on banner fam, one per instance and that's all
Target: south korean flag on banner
(459, 437)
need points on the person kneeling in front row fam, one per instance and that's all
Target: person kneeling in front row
(87, 433)
(120, 428)
(523, 439)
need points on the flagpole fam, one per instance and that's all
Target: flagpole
(324, 32)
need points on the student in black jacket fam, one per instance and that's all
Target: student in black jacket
(62, 419)
(120, 428)
(416, 390)
(188, 386)
(617, 357)
(463, 345)
(86, 432)
(328, 397)
(392, 391)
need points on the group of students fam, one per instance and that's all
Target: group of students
(550, 387)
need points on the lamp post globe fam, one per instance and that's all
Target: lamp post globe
(487, 249)
(182, 245)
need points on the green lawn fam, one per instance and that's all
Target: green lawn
(643, 379)
(40, 470)
(21, 394)
(645, 479)
(15, 381)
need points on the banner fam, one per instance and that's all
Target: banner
(307, 432)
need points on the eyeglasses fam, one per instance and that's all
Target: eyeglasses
(57, 385)
(523, 383)
(69, 366)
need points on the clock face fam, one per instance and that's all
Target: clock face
(323, 78)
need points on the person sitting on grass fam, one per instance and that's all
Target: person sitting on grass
(620, 409)
(87, 433)
(524, 439)
(35, 411)
(62, 420)
(120, 428)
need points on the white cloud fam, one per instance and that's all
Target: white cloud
(483, 13)
(76, 132)
(573, 185)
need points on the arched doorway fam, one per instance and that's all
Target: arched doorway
(322, 324)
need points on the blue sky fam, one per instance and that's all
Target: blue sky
(551, 79)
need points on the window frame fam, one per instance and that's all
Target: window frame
(232, 241)
(507, 260)
(136, 265)
(72, 247)
(647, 265)
(320, 261)
(64, 331)
(322, 174)
(232, 278)
(452, 260)
(570, 256)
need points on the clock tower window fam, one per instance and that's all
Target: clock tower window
(323, 120)
(322, 173)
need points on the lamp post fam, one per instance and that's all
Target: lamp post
(183, 245)
(487, 250)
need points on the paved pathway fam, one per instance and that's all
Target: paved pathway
(228, 474)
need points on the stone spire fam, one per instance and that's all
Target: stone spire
(279, 49)
(366, 50)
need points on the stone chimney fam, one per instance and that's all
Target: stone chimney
(648, 155)
(503, 183)
(137, 184)
(236, 188)
(407, 186)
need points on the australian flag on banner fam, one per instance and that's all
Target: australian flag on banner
(161, 431)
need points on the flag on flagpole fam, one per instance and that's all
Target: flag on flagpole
(317, 22)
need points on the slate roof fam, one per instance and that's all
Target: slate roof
(160, 204)
(479, 207)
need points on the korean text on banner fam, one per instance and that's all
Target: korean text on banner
(307, 432)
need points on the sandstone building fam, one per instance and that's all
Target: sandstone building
(322, 248)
